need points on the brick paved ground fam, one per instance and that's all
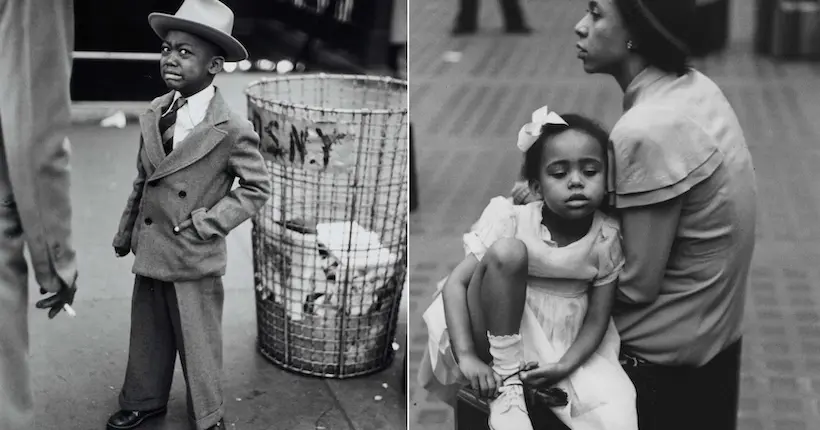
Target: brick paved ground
(466, 116)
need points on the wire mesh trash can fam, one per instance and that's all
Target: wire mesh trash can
(330, 246)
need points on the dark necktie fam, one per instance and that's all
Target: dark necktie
(166, 125)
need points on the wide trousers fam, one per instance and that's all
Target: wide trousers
(467, 18)
(36, 40)
(680, 398)
(16, 403)
(170, 318)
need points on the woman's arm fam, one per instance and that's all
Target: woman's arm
(648, 235)
(456, 314)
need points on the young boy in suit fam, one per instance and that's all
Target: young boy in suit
(192, 147)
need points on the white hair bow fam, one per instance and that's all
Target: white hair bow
(530, 132)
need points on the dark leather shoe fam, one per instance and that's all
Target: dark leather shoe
(217, 426)
(124, 420)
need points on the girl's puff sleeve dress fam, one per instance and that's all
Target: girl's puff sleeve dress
(601, 395)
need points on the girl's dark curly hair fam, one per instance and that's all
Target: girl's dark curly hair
(531, 169)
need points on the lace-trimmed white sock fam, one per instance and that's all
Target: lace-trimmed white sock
(507, 355)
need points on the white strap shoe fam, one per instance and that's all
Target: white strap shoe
(508, 411)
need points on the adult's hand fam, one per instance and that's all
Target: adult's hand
(55, 302)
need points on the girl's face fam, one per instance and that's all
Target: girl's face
(602, 47)
(572, 175)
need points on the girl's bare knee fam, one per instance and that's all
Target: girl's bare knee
(508, 255)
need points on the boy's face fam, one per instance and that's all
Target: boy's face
(188, 63)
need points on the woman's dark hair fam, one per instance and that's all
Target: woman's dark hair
(676, 18)
(531, 170)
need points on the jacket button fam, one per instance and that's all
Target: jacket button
(182, 194)
(148, 221)
(176, 231)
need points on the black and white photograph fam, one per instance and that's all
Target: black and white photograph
(204, 214)
(409, 214)
(614, 214)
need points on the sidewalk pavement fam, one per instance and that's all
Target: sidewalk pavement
(466, 113)
(78, 365)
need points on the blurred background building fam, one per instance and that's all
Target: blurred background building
(114, 39)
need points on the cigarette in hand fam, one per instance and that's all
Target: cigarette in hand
(69, 310)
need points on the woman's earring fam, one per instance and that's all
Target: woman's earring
(629, 45)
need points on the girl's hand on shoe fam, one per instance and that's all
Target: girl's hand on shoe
(481, 376)
(543, 376)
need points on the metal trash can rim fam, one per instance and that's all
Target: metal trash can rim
(308, 76)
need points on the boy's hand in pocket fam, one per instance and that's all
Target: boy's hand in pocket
(186, 224)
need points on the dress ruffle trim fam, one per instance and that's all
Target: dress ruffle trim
(609, 251)
(497, 221)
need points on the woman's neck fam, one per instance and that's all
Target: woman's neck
(565, 231)
(630, 68)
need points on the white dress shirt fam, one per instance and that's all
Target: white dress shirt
(192, 113)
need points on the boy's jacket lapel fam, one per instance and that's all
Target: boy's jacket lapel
(202, 139)
(149, 124)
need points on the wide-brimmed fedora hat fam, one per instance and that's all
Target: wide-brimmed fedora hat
(208, 19)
